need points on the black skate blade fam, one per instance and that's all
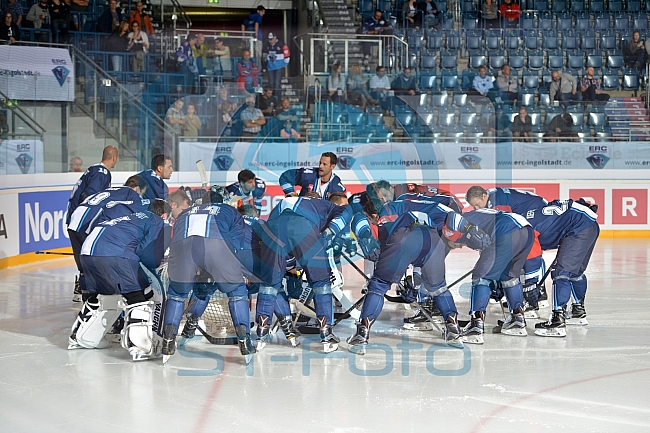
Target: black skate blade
(497, 329)
(306, 329)
(463, 323)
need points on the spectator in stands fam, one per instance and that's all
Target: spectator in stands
(200, 52)
(508, 84)
(277, 58)
(285, 112)
(564, 88)
(405, 84)
(252, 118)
(500, 125)
(175, 121)
(138, 45)
(591, 89)
(254, 24)
(75, 165)
(186, 63)
(483, 84)
(9, 31)
(288, 131)
(247, 72)
(222, 55)
(430, 13)
(634, 52)
(16, 10)
(510, 13)
(358, 89)
(411, 15)
(561, 127)
(60, 17)
(377, 25)
(39, 15)
(266, 102)
(110, 20)
(118, 42)
(79, 6)
(336, 84)
(192, 122)
(142, 18)
(490, 14)
(522, 127)
(380, 88)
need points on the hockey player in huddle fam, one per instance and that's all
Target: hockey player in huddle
(302, 227)
(205, 238)
(97, 178)
(519, 202)
(249, 187)
(111, 257)
(499, 265)
(178, 201)
(161, 169)
(105, 205)
(322, 180)
(571, 227)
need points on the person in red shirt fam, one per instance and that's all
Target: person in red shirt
(510, 13)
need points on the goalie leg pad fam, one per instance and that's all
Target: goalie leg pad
(94, 326)
(138, 336)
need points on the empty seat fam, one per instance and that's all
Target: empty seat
(527, 98)
(493, 39)
(607, 41)
(470, 20)
(545, 21)
(570, 40)
(583, 21)
(535, 116)
(453, 40)
(450, 80)
(622, 22)
(446, 116)
(428, 81)
(602, 21)
(564, 21)
(532, 40)
(528, 20)
(497, 59)
(512, 39)
(467, 116)
(577, 5)
(434, 40)
(473, 40)
(577, 113)
(428, 61)
(516, 59)
(455, 132)
(460, 99)
(634, 6)
(640, 22)
(551, 40)
(595, 59)
(559, 5)
(530, 79)
(448, 60)
(405, 118)
(425, 116)
(439, 99)
(477, 58)
(551, 112)
(615, 60)
(555, 59)
(615, 5)
(541, 5)
(597, 116)
(630, 79)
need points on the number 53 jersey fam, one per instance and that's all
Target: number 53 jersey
(559, 219)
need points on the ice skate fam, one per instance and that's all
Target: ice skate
(289, 330)
(329, 341)
(263, 331)
(555, 327)
(359, 341)
(543, 297)
(168, 347)
(245, 343)
(419, 322)
(451, 332)
(473, 332)
(189, 329)
(515, 324)
(530, 312)
(76, 294)
(578, 316)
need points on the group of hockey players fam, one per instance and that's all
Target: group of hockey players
(121, 236)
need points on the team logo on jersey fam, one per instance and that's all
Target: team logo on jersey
(346, 162)
(24, 161)
(61, 74)
(471, 162)
(223, 162)
(598, 160)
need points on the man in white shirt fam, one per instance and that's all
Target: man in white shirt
(380, 87)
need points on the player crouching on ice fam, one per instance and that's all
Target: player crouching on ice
(111, 257)
(499, 263)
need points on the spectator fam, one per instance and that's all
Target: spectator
(507, 84)
(500, 125)
(490, 14)
(118, 42)
(175, 118)
(192, 122)
(75, 164)
(16, 10)
(358, 89)
(336, 84)
(110, 20)
(483, 84)
(9, 31)
(266, 102)
(412, 16)
(142, 18)
(431, 14)
(60, 17)
(138, 45)
(561, 127)
(564, 89)
(522, 127)
(186, 62)
(377, 25)
(405, 83)
(200, 52)
(288, 131)
(254, 24)
(634, 52)
(277, 58)
(39, 15)
(285, 112)
(252, 118)
(222, 54)
(247, 73)
(79, 6)
(379, 88)
(510, 13)
(590, 88)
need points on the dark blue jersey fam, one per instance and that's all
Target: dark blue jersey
(409, 191)
(308, 180)
(514, 200)
(357, 201)
(251, 197)
(156, 186)
(493, 222)
(96, 179)
(138, 236)
(109, 204)
(403, 213)
(214, 221)
(559, 219)
(322, 213)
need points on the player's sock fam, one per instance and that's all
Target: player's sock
(515, 296)
(445, 303)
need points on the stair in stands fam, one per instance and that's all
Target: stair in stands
(629, 118)
(338, 17)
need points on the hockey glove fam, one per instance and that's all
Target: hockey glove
(531, 294)
(333, 241)
(408, 291)
(496, 292)
(593, 207)
(477, 239)
(369, 247)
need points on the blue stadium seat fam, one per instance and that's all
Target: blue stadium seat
(583, 21)
(439, 99)
(597, 116)
(621, 21)
(545, 21)
(528, 21)
(596, 5)
(551, 40)
(460, 99)
(559, 5)
(615, 5)
(570, 40)
(446, 116)
(631, 80)
(434, 40)
(467, 79)
(551, 112)
(453, 40)
(450, 80)
(577, 5)
(425, 116)
(428, 61)
(470, 20)
(602, 21)
(474, 39)
(541, 5)
(468, 116)
(564, 21)
(516, 59)
(633, 6)
(640, 22)
(611, 80)
(512, 39)
(493, 38)
(535, 116)
(615, 60)
(536, 59)
(608, 40)
(526, 98)
(497, 59)
(588, 38)
(532, 40)
(477, 58)
(595, 59)
(531, 79)
(448, 59)
(429, 80)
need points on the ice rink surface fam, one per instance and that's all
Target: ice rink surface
(597, 379)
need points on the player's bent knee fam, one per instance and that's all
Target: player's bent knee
(321, 288)
(510, 283)
(481, 282)
(268, 290)
(436, 290)
(561, 274)
(91, 332)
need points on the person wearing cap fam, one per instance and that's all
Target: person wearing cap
(277, 55)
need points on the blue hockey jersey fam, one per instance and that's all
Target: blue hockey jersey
(252, 197)
(96, 179)
(409, 191)
(514, 200)
(559, 219)
(157, 188)
(322, 213)
(403, 213)
(491, 221)
(308, 180)
(214, 221)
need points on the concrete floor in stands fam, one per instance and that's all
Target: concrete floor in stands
(594, 380)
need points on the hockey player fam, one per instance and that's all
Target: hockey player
(323, 181)
(302, 227)
(97, 178)
(404, 191)
(111, 257)
(499, 264)
(570, 227)
(178, 201)
(112, 203)
(161, 169)
(249, 187)
(205, 239)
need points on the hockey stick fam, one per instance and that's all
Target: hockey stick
(223, 341)
(400, 300)
(53, 253)
(204, 175)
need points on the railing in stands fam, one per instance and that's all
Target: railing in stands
(29, 121)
